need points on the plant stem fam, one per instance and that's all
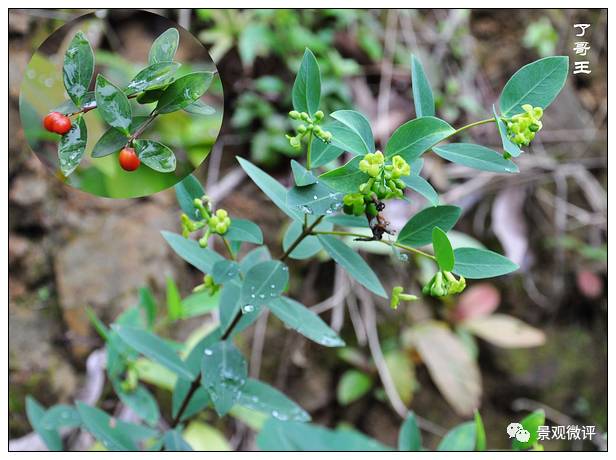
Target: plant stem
(94, 106)
(228, 246)
(306, 232)
(193, 387)
(472, 125)
(388, 243)
(308, 151)
(142, 128)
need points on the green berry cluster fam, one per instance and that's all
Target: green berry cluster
(384, 183)
(213, 223)
(444, 283)
(523, 127)
(397, 295)
(208, 285)
(308, 126)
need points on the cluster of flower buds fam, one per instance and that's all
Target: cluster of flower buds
(443, 284)
(384, 183)
(308, 126)
(214, 223)
(523, 127)
(208, 285)
(397, 295)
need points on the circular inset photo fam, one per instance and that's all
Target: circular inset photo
(121, 103)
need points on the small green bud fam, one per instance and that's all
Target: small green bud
(294, 114)
(319, 115)
(302, 129)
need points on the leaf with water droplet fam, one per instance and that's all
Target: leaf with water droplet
(113, 104)
(78, 68)
(223, 374)
(154, 76)
(61, 416)
(225, 270)
(102, 427)
(244, 230)
(157, 156)
(314, 199)
(301, 175)
(261, 397)
(164, 47)
(184, 91)
(72, 146)
(258, 281)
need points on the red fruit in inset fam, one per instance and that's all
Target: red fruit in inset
(49, 122)
(62, 124)
(129, 161)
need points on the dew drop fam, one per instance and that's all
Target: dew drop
(248, 308)
(208, 352)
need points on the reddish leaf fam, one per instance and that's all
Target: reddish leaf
(479, 300)
(589, 284)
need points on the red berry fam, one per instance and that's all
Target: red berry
(129, 161)
(62, 124)
(49, 122)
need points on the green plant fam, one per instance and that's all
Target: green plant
(209, 371)
(156, 83)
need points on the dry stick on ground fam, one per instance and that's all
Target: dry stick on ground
(369, 317)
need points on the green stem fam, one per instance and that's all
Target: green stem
(308, 151)
(472, 125)
(388, 243)
(228, 246)
(142, 128)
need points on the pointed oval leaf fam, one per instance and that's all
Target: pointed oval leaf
(201, 258)
(505, 331)
(78, 68)
(102, 427)
(155, 155)
(420, 185)
(460, 438)
(301, 175)
(306, 322)
(530, 423)
(72, 146)
(154, 76)
(346, 178)
(244, 230)
(416, 137)
(140, 400)
(164, 47)
(352, 262)
(61, 416)
(476, 157)
(409, 438)
(422, 92)
(36, 414)
(184, 91)
(442, 250)
(351, 132)
(223, 374)
(537, 84)
(154, 348)
(508, 145)
(264, 398)
(186, 191)
(352, 386)
(418, 230)
(322, 153)
(264, 282)
(476, 263)
(316, 199)
(113, 104)
(306, 93)
(200, 108)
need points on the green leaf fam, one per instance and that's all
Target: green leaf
(264, 398)
(304, 321)
(140, 400)
(422, 92)
(113, 139)
(174, 300)
(174, 442)
(154, 348)
(355, 266)
(271, 187)
(402, 373)
(155, 155)
(223, 374)
(537, 84)
(61, 416)
(346, 178)
(416, 137)
(306, 93)
(420, 185)
(164, 47)
(322, 153)
(147, 303)
(409, 438)
(147, 97)
(301, 175)
(36, 415)
(476, 157)
(277, 435)
(154, 76)
(225, 270)
(480, 431)
(101, 426)
(200, 108)
(351, 132)
(442, 250)
(508, 145)
(113, 104)
(418, 230)
(253, 41)
(186, 191)
(530, 423)
(460, 438)
(72, 146)
(198, 402)
(263, 283)
(476, 263)
(203, 437)
(68, 107)
(202, 259)
(315, 199)
(78, 68)
(310, 245)
(244, 230)
(184, 91)
(352, 386)
(253, 257)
